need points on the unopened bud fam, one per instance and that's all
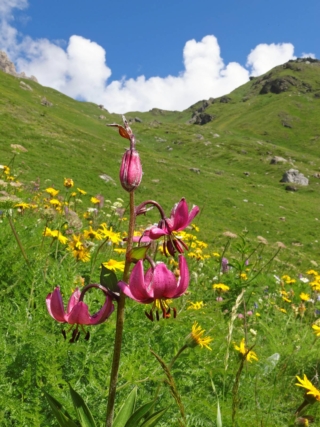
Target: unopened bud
(131, 170)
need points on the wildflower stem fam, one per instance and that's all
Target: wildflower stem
(18, 241)
(120, 321)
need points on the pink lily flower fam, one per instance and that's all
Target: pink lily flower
(156, 286)
(180, 219)
(77, 312)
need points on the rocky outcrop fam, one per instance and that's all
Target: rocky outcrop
(201, 118)
(8, 67)
(293, 176)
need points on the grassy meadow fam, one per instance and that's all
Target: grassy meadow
(259, 309)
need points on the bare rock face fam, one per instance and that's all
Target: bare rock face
(8, 67)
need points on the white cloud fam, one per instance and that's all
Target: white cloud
(308, 55)
(266, 56)
(6, 7)
(80, 70)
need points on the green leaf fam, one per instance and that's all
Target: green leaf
(108, 279)
(139, 414)
(83, 412)
(126, 410)
(60, 413)
(138, 253)
(154, 418)
(219, 419)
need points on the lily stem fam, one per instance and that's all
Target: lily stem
(120, 321)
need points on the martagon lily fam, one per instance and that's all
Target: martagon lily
(156, 286)
(167, 228)
(77, 312)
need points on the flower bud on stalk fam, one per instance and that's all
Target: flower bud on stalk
(131, 170)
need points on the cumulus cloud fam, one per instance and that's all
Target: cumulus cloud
(80, 70)
(308, 55)
(266, 56)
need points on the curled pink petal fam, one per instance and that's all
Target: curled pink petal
(55, 305)
(184, 278)
(164, 282)
(79, 315)
(74, 299)
(104, 313)
(138, 286)
(156, 232)
(179, 215)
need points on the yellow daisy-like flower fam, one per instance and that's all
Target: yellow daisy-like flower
(202, 244)
(82, 255)
(312, 391)
(94, 200)
(243, 276)
(68, 183)
(52, 191)
(196, 305)
(82, 192)
(55, 234)
(120, 251)
(196, 337)
(283, 310)
(114, 265)
(216, 255)
(312, 272)
(109, 234)
(315, 286)
(221, 287)
(22, 206)
(92, 234)
(6, 170)
(316, 329)
(304, 296)
(285, 299)
(249, 355)
(55, 202)
(195, 227)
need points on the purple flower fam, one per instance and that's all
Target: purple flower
(224, 265)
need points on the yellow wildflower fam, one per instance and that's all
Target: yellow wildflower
(52, 191)
(195, 227)
(92, 234)
(94, 200)
(109, 234)
(312, 391)
(68, 183)
(316, 329)
(304, 296)
(221, 287)
(196, 337)
(82, 192)
(196, 305)
(22, 206)
(312, 272)
(246, 353)
(114, 265)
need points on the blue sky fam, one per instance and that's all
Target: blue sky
(144, 54)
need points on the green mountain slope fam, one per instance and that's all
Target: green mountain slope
(237, 188)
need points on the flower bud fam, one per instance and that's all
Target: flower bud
(131, 170)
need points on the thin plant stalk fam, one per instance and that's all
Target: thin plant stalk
(19, 242)
(120, 321)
